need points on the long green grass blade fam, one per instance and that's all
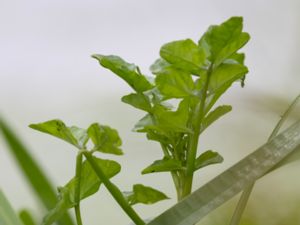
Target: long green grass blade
(222, 188)
(32, 171)
(26, 217)
(7, 214)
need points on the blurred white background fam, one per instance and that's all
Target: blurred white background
(46, 72)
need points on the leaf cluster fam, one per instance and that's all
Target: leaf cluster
(193, 75)
(105, 140)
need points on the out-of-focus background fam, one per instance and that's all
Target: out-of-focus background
(46, 72)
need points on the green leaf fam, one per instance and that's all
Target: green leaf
(237, 57)
(7, 214)
(105, 139)
(215, 115)
(90, 182)
(80, 135)
(146, 122)
(220, 42)
(138, 100)
(73, 135)
(144, 194)
(184, 54)
(32, 172)
(208, 158)
(232, 181)
(174, 83)
(225, 75)
(89, 185)
(26, 217)
(163, 165)
(159, 66)
(175, 121)
(128, 72)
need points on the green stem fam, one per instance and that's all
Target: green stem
(77, 188)
(114, 190)
(194, 138)
(239, 210)
(177, 179)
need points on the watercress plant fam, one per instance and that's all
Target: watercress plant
(193, 75)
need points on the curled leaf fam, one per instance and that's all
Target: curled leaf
(128, 72)
(208, 158)
(105, 139)
(144, 194)
(163, 165)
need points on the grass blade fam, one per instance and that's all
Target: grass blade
(7, 214)
(232, 181)
(26, 217)
(32, 171)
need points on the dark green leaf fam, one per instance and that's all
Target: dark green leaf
(105, 139)
(163, 165)
(128, 72)
(184, 54)
(220, 42)
(32, 171)
(175, 83)
(57, 128)
(215, 115)
(208, 158)
(26, 217)
(138, 100)
(144, 194)
(89, 185)
(7, 214)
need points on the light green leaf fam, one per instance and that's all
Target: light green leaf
(146, 122)
(232, 181)
(225, 75)
(237, 57)
(105, 139)
(26, 217)
(7, 214)
(159, 66)
(32, 172)
(80, 135)
(144, 194)
(175, 121)
(215, 115)
(174, 83)
(163, 165)
(89, 185)
(128, 72)
(138, 100)
(184, 54)
(208, 158)
(220, 42)
(57, 128)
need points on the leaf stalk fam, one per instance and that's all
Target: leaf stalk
(114, 190)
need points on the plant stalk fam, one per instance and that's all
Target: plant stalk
(114, 190)
(77, 188)
(194, 139)
(239, 210)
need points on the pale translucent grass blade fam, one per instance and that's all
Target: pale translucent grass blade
(7, 214)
